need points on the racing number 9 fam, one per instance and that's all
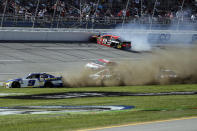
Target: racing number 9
(31, 82)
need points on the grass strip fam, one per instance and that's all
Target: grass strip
(148, 108)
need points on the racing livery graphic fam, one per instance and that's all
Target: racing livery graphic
(112, 41)
(99, 64)
(35, 80)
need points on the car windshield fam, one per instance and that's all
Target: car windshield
(168, 72)
(99, 62)
(113, 39)
(103, 72)
(111, 64)
(51, 76)
(119, 40)
(44, 76)
(47, 76)
(107, 37)
(37, 76)
(33, 76)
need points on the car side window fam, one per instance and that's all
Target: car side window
(108, 37)
(30, 77)
(104, 40)
(44, 76)
(118, 40)
(113, 39)
(37, 76)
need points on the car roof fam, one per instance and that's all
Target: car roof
(104, 60)
(114, 36)
(38, 74)
(51, 76)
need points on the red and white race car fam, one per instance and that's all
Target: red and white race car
(111, 41)
(99, 64)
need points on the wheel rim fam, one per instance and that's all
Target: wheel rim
(119, 46)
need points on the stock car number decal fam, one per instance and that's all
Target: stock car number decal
(31, 82)
(104, 41)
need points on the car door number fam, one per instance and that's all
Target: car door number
(31, 82)
(104, 41)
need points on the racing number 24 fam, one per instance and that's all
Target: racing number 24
(31, 82)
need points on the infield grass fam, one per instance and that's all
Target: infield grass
(148, 108)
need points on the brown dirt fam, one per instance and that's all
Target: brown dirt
(182, 60)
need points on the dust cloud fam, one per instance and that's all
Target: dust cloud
(182, 61)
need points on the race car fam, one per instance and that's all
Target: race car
(35, 80)
(99, 64)
(105, 74)
(111, 41)
(167, 73)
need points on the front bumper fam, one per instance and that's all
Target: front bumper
(6, 84)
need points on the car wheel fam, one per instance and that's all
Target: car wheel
(118, 46)
(112, 45)
(16, 85)
(48, 85)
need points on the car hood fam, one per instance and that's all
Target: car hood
(18, 79)
(93, 65)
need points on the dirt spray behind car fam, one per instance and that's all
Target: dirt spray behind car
(182, 61)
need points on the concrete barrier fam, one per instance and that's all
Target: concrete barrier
(45, 36)
(82, 35)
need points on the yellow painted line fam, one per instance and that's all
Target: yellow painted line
(139, 123)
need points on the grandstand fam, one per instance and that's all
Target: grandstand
(97, 13)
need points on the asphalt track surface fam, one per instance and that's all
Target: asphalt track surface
(183, 124)
(19, 59)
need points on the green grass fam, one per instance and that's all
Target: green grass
(174, 106)
(144, 89)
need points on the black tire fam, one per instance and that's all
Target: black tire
(48, 85)
(112, 45)
(16, 85)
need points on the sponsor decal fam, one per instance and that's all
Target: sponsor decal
(165, 37)
(59, 109)
(159, 37)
